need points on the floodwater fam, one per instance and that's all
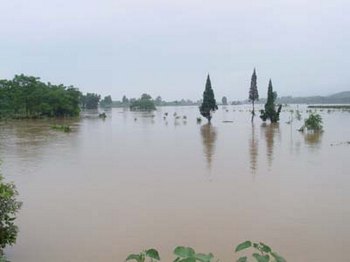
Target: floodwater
(135, 181)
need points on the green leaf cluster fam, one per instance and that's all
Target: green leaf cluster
(262, 252)
(151, 254)
(28, 97)
(9, 207)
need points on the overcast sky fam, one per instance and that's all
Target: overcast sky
(167, 47)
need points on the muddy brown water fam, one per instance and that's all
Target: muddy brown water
(136, 181)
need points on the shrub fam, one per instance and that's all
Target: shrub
(9, 207)
(313, 122)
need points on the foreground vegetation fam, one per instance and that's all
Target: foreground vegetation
(9, 207)
(261, 253)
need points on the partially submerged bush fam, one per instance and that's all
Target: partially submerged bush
(64, 128)
(313, 122)
(263, 253)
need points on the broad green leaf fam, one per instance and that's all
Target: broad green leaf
(188, 259)
(243, 245)
(203, 257)
(184, 252)
(138, 258)
(152, 253)
(277, 257)
(242, 259)
(177, 259)
(265, 248)
(260, 258)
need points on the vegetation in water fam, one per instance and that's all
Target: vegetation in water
(208, 106)
(253, 92)
(64, 128)
(9, 207)
(270, 111)
(262, 253)
(144, 103)
(106, 102)
(224, 100)
(313, 122)
(28, 97)
(90, 101)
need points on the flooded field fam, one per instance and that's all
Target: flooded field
(136, 180)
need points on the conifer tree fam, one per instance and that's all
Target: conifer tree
(270, 107)
(253, 92)
(209, 104)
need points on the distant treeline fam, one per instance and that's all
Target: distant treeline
(338, 98)
(28, 97)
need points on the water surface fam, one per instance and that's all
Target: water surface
(137, 180)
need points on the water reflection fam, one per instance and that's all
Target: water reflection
(270, 131)
(253, 150)
(313, 139)
(209, 135)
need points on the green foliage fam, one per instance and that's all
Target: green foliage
(263, 253)
(64, 128)
(187, 254)
(106, 102)
(28, 97)
(90, 101)
(253, 91)
(270, 111)
(209, 103)
(145, 103)
(313, 122)
(9, 207)
(152, 254)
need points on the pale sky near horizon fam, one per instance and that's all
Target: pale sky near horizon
(167, 48)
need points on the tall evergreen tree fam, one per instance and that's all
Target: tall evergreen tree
(270, 107)
(209, 104)
(253, 92)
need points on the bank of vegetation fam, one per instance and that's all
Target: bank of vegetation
(28, 97)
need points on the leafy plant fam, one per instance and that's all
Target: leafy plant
(152, 254)
(9, 207)
(314, 122)
(270, 111)
(263, 253)
(187, 254)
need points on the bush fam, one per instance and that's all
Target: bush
(9, 207)
(314, 122)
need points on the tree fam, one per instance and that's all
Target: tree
(125, 100)
(145, 103)
(270, 107)
(9, 207)
(90, 101)
(159, 101)
(208, 106)
(224, 100)
(106, 101)
(253, 92)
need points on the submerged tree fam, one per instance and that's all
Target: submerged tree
(224, 100)
(106, 102)
(270, 111)
(145, 103)
(208, 106)
(253, 92)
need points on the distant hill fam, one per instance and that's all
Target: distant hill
(337, 98)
